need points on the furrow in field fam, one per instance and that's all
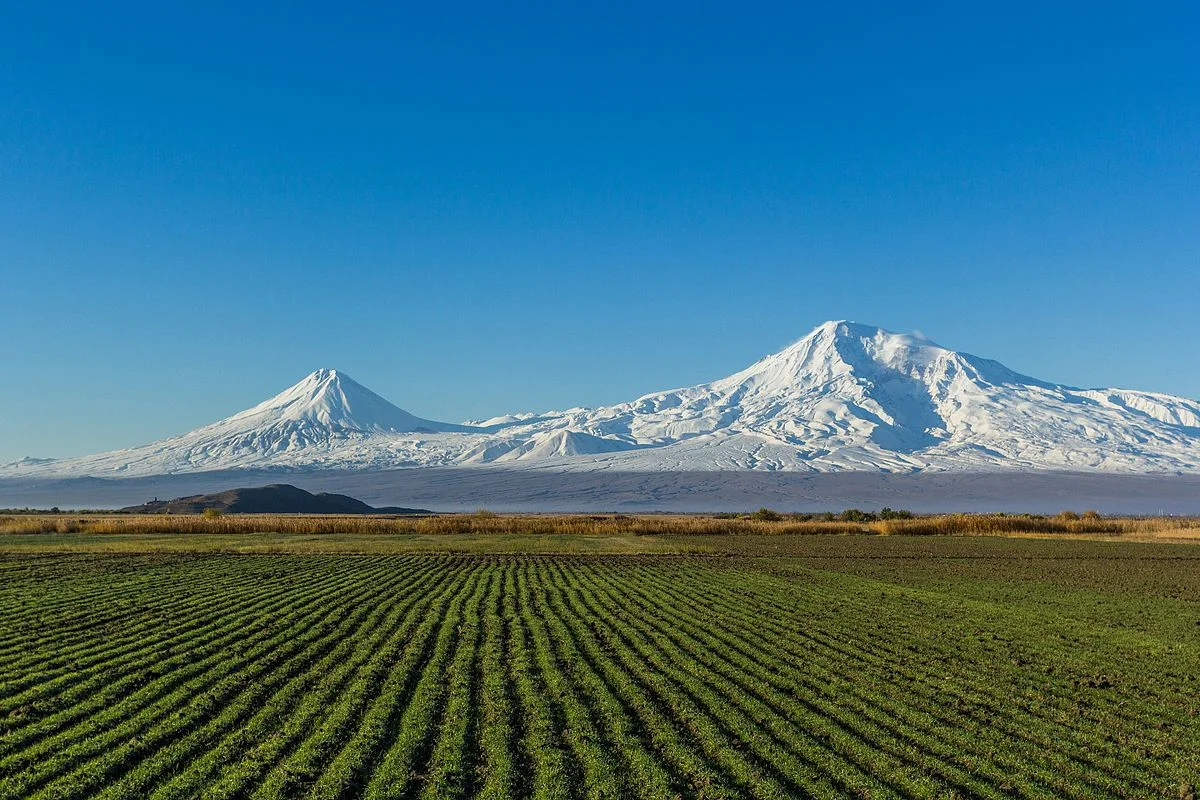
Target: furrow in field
(68, 583)
(97, 688)
(538, 739)
(598, 772)
(1059, 708)
(937, 728)
(726, 736)
(985, 719)
(378, 757)
(792, 742)
(648, 774)
(676, 743)
(846, 742)
(246, 756)
(449, 771)
(40, 672)
(160, 586)
(896, 718)
(494, 734)
(327, 747)
(203, 688)
(243, 717)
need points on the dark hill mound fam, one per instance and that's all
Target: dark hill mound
(278, 498)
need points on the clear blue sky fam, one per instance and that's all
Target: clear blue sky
(475, 209)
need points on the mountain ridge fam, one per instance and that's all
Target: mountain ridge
(845, 397)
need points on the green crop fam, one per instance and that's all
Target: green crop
(839, 668)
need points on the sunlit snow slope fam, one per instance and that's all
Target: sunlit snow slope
(845, 397)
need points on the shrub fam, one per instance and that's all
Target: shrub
(766, 515)
(212, 513)
(856, 515)
(888, 513)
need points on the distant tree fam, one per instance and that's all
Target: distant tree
(211, 513)
(766, 515)
(857, 515)
(888, 513)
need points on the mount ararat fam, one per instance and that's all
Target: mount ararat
(846, 397)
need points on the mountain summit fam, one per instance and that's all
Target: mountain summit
(845, 397)
(328, 402)
(323, 420)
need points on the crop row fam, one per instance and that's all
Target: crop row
(229, 676)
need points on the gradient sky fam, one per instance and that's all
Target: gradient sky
(475, 209)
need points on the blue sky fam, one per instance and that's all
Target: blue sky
(481, 208)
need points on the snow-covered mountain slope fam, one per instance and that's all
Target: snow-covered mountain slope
(327, 415)
(845, 397)
(325, 405)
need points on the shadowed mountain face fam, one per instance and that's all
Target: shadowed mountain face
(277, 498)
(846, 397)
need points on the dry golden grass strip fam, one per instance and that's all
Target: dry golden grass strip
(603, 525)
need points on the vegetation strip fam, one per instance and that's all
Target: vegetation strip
(455, 676)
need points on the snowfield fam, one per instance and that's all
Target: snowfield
(846, 397)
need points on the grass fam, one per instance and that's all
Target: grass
(585, 528)
(669, 664)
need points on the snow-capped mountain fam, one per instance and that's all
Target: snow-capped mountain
(325, 415)
(845, 397)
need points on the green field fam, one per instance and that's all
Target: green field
(826, 666)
